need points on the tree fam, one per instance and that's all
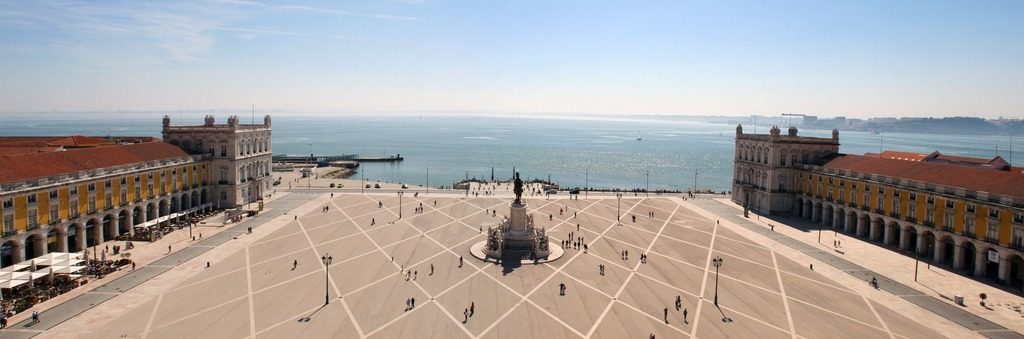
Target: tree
(983, 296)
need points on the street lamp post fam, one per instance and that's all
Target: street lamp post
(695, 182)
(362, 181)
(326, 259)
(309, 176)
(717, 261)
(648, 175)
(618, 208)
(428, 178)
(586, 188)
(400, 204)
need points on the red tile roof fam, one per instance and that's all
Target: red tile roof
(17, 167)
(979, 179)
(898, 155)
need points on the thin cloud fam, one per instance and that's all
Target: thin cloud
(180, 31)
(319, 10)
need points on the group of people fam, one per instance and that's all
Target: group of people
(575, 242)
(468, 312)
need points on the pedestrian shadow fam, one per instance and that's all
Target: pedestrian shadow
(309, 317)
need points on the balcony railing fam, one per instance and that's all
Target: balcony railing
(10, 232)
(224, 182)
(929, 224)
(852, 204)
(992, 240)
(969, 234)
(911, 219)
(1017, 246)
(33, 226)
(894, 214)
(948, 229)
(879, 211)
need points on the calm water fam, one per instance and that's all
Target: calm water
(564, 148)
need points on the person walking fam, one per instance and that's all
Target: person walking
(460, 261)
(168, 249)
(431, 269)
(684, 317)
(666, 315)
(295, 264)
(472, 308)
(35, 317)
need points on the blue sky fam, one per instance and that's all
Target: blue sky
(852, 58)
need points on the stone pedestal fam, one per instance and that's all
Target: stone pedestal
(517, 218)
(516, 239)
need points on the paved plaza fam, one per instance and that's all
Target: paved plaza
(380, 262)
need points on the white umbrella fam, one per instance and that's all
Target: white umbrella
(12, 283)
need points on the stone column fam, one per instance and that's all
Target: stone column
(958, 257)
(41, 247)
(115, 227)
(862, 227)
(922, 244)
(850, 221)
(904, 239)
(980, 261)
(837, 218)
(940, 250)
(876, 228)
(98, 232)
(890, 234)
(19, 252)
(815, 213)
(62, 241)
(80, 237)
(1004, 268)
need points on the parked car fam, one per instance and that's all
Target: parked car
(405, 186)
(368, 186)
(551, 191)
(376, 185)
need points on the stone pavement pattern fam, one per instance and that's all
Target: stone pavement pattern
(870, 255)
(257, 292)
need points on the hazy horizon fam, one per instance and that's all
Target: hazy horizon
(855, 59)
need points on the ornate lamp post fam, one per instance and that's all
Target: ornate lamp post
(717, 262)
(648, 189)
(326, 259)
(400, 193)
(618, 208)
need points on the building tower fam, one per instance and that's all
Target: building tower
(765, 166)
(240, 156)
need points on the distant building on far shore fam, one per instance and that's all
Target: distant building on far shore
(962, 211)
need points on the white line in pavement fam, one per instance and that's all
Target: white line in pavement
(337, 291)
(152, 315)
(417, 284)
(704, 281)
(555, 273)
(630, 277)
(879, 317)
(248, 283)
(785, 300)
(523, 297)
